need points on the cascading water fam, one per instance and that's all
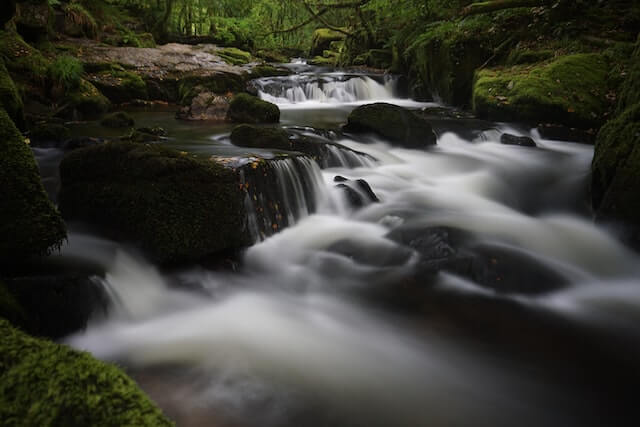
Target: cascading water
(340, 320)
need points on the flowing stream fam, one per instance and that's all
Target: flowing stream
(337, 321)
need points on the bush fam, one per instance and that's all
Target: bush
(66, 72)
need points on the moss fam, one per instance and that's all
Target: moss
(175, 206)
(272, 56)
(10, 309)
(527, 56)
(392, 122)
(261, 137)
(322, 61)
(261, 71)
(78, 22)
(10, 100)
(21, 59)
(49, 132)
(117, 84)
(245, 108)
(571, 90)
(616, 162)
(630, 89)
(29, 223)
(234, 56)
(65, 72)
(48, 384)
(119, 119)
(87, 101)
(322, 39)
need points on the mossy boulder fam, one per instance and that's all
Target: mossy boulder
(85, 102)
(399, 125)
(10, 99)
(220, 83)
(572, 90)
(234, 56)
(322, 61)
(119, 119)
(49, 132)
(261, 137)
(528, 56)
(245, 108)
(29, 223)
(33, 18)
(78, 21)
(119, 85)
(47, 384)
(322, 39)
(176, 207)
(21, 59)
(261, 71)
(11, 309)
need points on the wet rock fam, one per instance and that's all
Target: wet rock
(45, 134)
(85, 102)
(377, 256)
(358, 192)
(322, 39)
(29, 223)
(143, 135)
(245, 108)
(57, 306)
(206, 106)
(563, 133)
(81, 142)
(118, 120)
(397, 124)
(262, 137)
(119, 86)
(522, 141)
(173, 205)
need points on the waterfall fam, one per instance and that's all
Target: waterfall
(281, 192)
(345, 158)
(331, 88)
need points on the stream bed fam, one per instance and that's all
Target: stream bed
(347, 317)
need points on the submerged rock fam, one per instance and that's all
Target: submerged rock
(175, 206)
(397, 124)
(119, 119)
(29, 223)
(522, 141)
(67, 387)
(245, 108)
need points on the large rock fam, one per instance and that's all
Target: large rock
(572, 90)
(29, 223)
(85, 102)
(119, 86)
(45, 384)
(245, 108)
(10, 99)
(32, 18)
(176, 207)
(399, 125)
(206, 106)
(322, 39)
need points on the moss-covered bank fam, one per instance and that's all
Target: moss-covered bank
(29, 223)
(48, 384)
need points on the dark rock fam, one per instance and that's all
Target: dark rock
(176, 207)
(522, 141)
(359, 193)
(157, 131)
(117, 120)
(322, 39)
(48, 133)
(81, 142)
(245, 108)
(29, 223)
(563, 133)
(261, 137)
(32, 19)
(57, 306)
(10, 99)
(143, 135)
(206, 106)
(7, 10)
(399, 125)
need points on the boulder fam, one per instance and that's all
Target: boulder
(173, 205)
(32, 18)
(357, 192)
(522, 141)
(245, 108)
(47, 133)
(234, 56)
(29, 223)
(85, 102)
(261, 137)
(399, 125)
(119, 119)
(571, 91)
(44, 383)
(206, 106)
(119, 86)
(10, 99)
(322, 39)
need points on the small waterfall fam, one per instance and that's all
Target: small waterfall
(328, 88)
(281, 192)
(345, 158)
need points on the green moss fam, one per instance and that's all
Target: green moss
(322, 39)
(49, 132)
(527, 56)
(234, 56)
(616, 162)
(66, 72)
(175, 206)
(48, 384)
(10, 99)
(119, 85)
(322, 61)
(261, 137)
(21, 59)
(29, 223)
(10, 309)
(87, 101)
(245, 108)
(260, 71)
(630, 89)
(218, 83)
(571, 90)
(119, 119)
(78, 22)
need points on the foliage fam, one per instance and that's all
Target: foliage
(66, 72)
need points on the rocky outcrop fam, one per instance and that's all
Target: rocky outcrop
(522, 141)
(399, 125)
(29, 223)
(44, 383)
(176, 207)
(322, 39)
(206, 106)
(573, 90)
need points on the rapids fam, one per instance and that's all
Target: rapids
(304, 334)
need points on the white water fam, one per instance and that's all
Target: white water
(291, 333)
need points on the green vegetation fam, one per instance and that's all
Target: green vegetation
(29, 224)
(245, 108)
(48, 384)
(78, 22)
(10, 99)
(66, 73)
(234, 56)
(86, 101)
